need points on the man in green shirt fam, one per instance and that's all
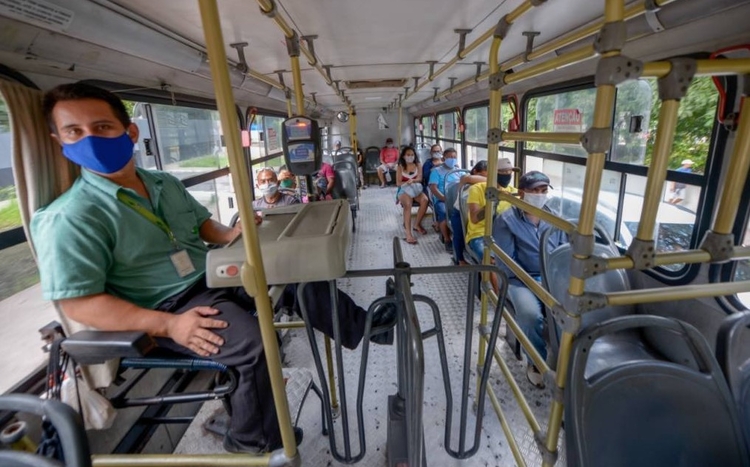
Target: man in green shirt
(124, 249)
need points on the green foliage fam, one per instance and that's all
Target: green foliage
(206, 161)
(10, 215)
(695, 122)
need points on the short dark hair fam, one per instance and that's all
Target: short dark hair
(480, 166)
(447, 150)
(79, 91)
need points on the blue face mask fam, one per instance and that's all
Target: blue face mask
(99, 154)
(450, 162)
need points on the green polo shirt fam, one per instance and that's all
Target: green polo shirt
(88, 242)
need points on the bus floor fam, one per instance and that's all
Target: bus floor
(378, 221)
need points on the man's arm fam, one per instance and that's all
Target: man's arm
(329, 188)
(476, 213)
(435, 192)
(109, 313)
(472, 179)
(218, 233)
(504, 238)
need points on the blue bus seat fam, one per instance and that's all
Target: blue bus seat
(345, 185)
(733, 353)
(647, 410)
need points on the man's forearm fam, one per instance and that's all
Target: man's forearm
(109, 313)
(217, 233)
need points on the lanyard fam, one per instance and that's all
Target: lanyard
(148, 215)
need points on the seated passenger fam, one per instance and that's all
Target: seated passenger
(324, 181)
(123, 250)
(336, 148)
(409, 182)
(437, 182)
(361, 169)
(477, 174)
(271, 196)
(287, 180)
(477, 202)
(517, 233)
(388, 160)
(436, 159)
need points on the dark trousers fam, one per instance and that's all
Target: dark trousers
(254, 419)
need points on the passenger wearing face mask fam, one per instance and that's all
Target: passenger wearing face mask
(436, 159)
(517, 233)
(287, 181)
(409, 181)
(438, 182)
(388, 160)
(268, 187)
(477, 202)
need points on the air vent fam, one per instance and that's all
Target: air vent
(375, 83)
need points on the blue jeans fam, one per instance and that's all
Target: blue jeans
(458, 235)
(477, 247)
(529, 316)
(439, 208)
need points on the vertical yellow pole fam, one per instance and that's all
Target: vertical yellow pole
(355, 138)
(253, 274)
(657, 171)
(331, 375)
(399, 127)
(614, 11)
(736, 176)
(492, 152)
(297, 77)
(289, 111)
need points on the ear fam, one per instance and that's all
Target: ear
(133, 132)
(56, 138)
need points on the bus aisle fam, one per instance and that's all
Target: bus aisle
(378, 221)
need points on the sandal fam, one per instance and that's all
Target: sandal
(420, 230)
(412, 241)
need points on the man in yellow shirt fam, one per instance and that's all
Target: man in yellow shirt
(476, 202)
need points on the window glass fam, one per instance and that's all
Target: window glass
(190, 140)
(19, 278)
(257, 138)
(742, 270)
(674, 221)
(448, 126)
(429, 131)
(475, 154)
(144, 150)
(632, 121)
(695, 122)
(565, 112)
(272, 126)
(417, 131)
(217, 195)
(476, 125)
(506, 114)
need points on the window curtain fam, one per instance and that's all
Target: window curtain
(41, 174)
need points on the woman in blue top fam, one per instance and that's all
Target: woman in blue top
(409, 182)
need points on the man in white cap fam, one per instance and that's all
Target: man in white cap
(677, 189)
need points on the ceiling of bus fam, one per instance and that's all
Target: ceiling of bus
(367, 40)
(160, 43)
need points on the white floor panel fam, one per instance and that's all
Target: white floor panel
(378, 221)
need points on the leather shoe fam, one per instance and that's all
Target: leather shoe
(383, 320)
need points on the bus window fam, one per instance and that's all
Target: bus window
(570, 111)
(742, 270)
(145, 148)
(429, 132)
(475, 121)
(632, 118)
(565, 198)
(190, 140)
(272, 126)
(214, 195)
(417, 132)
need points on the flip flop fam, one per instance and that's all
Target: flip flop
(420, 230)
(412, 242)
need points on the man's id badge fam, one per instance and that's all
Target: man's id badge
(182, 264)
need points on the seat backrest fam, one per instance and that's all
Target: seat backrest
(372, 159)
(649, 412)
(345, 156)
(555, 271)
(733, 353)
(451, 189)
(423, 153)
(345, 183)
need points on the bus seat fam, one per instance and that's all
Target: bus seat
(345, 185)
(64, 419)
(451, 189)
(423, 153)
(733, 353)
(372, 162)
(555, 271)
(648, 410)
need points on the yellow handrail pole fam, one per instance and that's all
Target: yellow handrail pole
(400, 114)
(265, 79)
(492, 153)
(657, 171)
(630, 12)
(578, 55)
(543, 137)
(512, 443)
(736, 177)
(546, 216)
(253, 274)
(727, 66)
(510, 18)
(355, 144)
(289, 111)
(682, 292)
(297, 77)
(614, 11)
